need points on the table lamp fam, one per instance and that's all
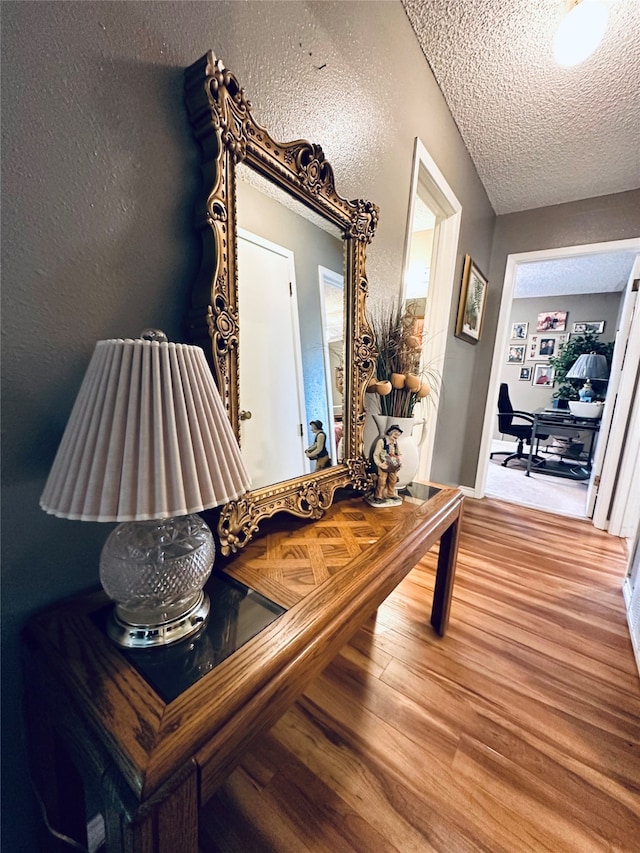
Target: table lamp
(148, 444)
(588, 366)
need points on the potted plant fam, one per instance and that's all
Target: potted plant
(567, 389)
(401, 383)
(400, 379)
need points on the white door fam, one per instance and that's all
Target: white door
(270, 365)
(613, 488)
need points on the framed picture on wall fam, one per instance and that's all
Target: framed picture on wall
(546, 347)
(552, 321)
(418, 329)
(519, 331)
(596, 326)
(542, 347)
(543, 374)
(525, 374)
(472, 304)
(515, 354)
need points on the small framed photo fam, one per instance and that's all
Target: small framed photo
(595, 326)
(418, 329)
(519, 331)
(525, 374)
(546, 347)
(515, 354)
(472, 304)
(552, 321)
(540, 347)
(543, 374)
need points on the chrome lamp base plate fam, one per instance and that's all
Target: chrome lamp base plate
(140, 636)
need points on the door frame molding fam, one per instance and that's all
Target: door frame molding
(442, 276)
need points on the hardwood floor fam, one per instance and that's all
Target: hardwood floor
(518, 731)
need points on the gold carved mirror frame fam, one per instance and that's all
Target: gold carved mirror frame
(228, 134)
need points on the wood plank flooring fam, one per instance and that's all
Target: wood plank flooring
(518, 731)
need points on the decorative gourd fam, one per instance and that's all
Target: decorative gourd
(383, 388)
(412, 381)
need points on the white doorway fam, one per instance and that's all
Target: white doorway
(501, 343)
(272, 410)
(332, 311)
(433, 227)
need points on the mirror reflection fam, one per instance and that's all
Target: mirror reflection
(291, 320)
(277, 352)
(332, 307)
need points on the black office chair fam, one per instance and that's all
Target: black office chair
(506, 414)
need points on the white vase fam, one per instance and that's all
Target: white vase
(407, 445)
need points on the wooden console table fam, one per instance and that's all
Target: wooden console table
(151, 753)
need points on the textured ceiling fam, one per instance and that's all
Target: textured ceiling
(604, 273)
(538, 134)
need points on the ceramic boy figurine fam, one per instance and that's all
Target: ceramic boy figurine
(387, 459)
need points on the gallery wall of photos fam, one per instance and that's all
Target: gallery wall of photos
(525, 363)
(533, 347)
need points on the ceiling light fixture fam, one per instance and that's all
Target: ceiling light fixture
(580, 31)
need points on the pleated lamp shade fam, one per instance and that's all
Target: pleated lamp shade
(148, 438)
(589, 366)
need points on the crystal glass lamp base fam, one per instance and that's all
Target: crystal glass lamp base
(155, 572)
(143, 636)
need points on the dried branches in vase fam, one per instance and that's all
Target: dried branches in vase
(400, 380)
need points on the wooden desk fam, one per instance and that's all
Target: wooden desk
(97, 724)
(562, 425)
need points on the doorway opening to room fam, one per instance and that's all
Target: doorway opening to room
(563, 283)
(433, 226)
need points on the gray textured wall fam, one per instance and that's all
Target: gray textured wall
(100, 177)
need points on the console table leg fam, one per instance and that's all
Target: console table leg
(57, 782)
(62, 797)
(445, 574)
(165, 823)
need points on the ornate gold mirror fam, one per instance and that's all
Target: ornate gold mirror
(275, 347)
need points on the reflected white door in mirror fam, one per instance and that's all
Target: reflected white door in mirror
(271, 366)
(332, 313)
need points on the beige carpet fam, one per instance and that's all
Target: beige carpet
(540, 491)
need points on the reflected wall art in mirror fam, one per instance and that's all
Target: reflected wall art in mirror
(279, 305)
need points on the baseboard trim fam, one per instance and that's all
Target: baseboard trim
(633, 618)
(468, 491)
